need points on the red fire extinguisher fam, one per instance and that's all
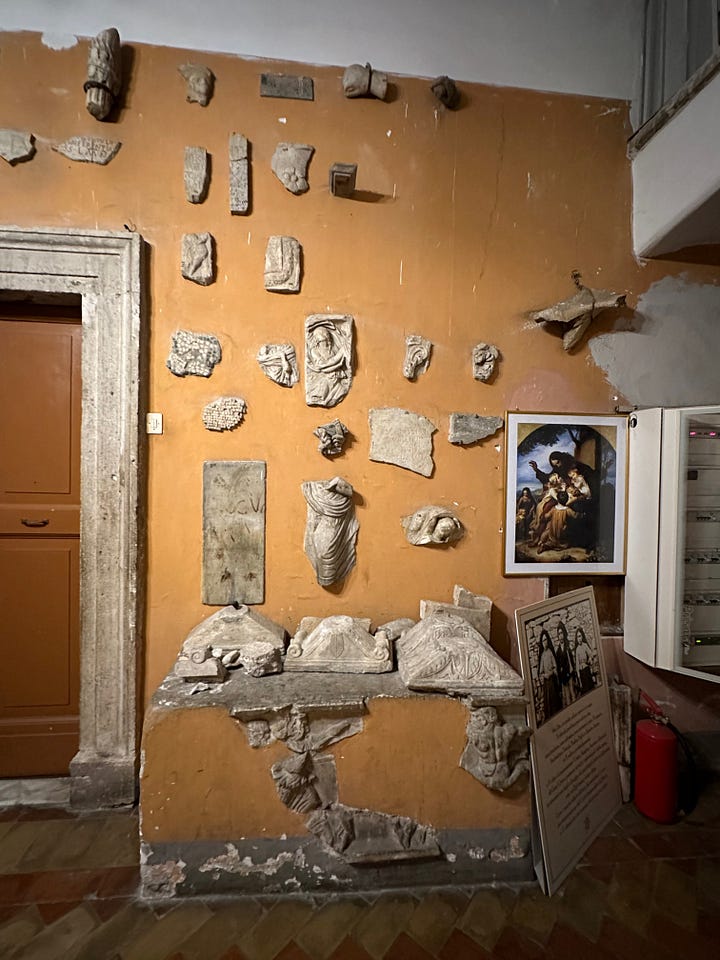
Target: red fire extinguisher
(656, 765)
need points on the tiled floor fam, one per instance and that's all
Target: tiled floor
(68, 882)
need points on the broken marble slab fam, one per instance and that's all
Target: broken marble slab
(193, 354)
(463, 597)
(279, 363)
(402, 438)
(339, 644)
(224, 413)
(496, 752)
(239, 173)
(433, 526)
(478, 617)
(287, 86)
(484, 359)
(342, 179)
(467, 428)
(104, 73)
(369, 837)
(329, 339)
(282, 265)
(198, 261)
(88, 149)
(258, 658)
(16, 146)
(331, 528)
(444, 652)
(289, 163)
(197, 174)
(200, 82)
(232, 629)
(417, 355)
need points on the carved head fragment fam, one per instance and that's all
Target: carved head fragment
(200, 83)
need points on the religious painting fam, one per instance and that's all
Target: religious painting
(565, 494)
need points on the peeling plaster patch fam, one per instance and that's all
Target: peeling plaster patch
(230, 862)
(161, 879)
(59, 41)
(476, 853)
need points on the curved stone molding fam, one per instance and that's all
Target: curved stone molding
(328, 358)
(363, 81)
(279, 363)
(402, 438)
(289, 163)
(432, 525)
(200, 83)
(496, 752)
(484, 359)
(331, 528)
(104, 268)
(417, 356)
(225, 413)
(193, 354)
(16, 146)
(282, 265)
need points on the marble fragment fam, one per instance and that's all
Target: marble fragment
(239, 174)
(363, 81)
(402, 438)
(224, 413)
(577, 313)
(279, 363)
(232, 629)
(257, 657)
(496, 752)
(339, 644)
(342, 179)
(417, 356)
(331, 528)
(88, 149)
(396, 628)
(433, 525)
(294, 778)
(332, 438)
(479, 617)
(16, 146)
(287, 86)
(446, 91)
(193, 354)
(233, 531)
(300, 730)
(484, 359)
(621, 710)
(197, 174)
(467, 428)
(282, 265)
(198, 261)
(202, 667)
(463, 597)
(289, 163)
(103, 73)
(369, 837)
(328, 358)
(200, 82)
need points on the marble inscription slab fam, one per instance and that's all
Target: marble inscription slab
(403, 438)
(239, 174)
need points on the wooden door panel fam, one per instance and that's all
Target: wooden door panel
(38, 747)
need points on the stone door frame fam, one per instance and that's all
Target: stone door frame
(105, 269)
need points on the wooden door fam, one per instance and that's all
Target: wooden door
(40, 403)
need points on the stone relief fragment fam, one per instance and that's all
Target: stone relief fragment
(331, 528)
(257, 658)
(328, 358)
(104, 75)
(467, 428)
(332, 438)
(279, 363)
(363, 81)
(396, 628)
(289, 163)
(197, 174)
(239, 173)
(417, 356)
(233, 531)
(287, 86)
(479, 617)
(198, 261)
(193, 354)
(369, 837)
(444, 652)
(16, 146)
(496, 752)
(88, 149)
(577, 313)
(338, 644)
(342, 179)
(446, 91)
(224, 413)
(484, 359)
(402, 438)
(200, 82)
(432, 525)
(282, 265)
(295, 778)
(302, 729)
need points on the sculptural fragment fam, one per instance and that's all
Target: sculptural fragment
(88, 149)
(279, 363)
(363, 81)
(200, 82)
(496, 752)
(577, 313)
(287, 86)
(396, 628)
(432, 525)
(282, 265)
(294, 778)
(402, 438)
(342, 179)
(417, 355)
(197, 174)
(258, 658)
(103, 73)
(289, 163)
(332, 438)
(328, 358)
(484, 358)
(224, 413)
(193, 354)
(339, 644)
(446, 91)
(239, 173)
(479, 616)
(231, 630)
(467, 428)
(369, 837)
(331, 528)
(197, 258)
(16, 146)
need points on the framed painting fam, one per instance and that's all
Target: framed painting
(565, 494)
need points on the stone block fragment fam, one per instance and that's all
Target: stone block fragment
(257, 657)
(467, 428)
(289, 163)
(484, 358)
(16, 146)
(88, 149)
(328, 358)
(239, 174)
(282, 265)
(104, 75)
(417, 356)
(225, 413)
(198, 261)
(396, 628)
(363, 81)
(339, 644)
(197, 174)
(200, 82)
(342, 179)
(433, 526)
(402, 438)
(279, 363)
(287, 86)
(193, 354)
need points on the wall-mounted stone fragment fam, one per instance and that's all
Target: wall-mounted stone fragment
(331, 528)
(433, 525)
(198, 262)
(577, 313)
(200, 82)
(402, 438)
(369, 837)
(339, 645)
(286, 85)
(224, 413)
(396, 628)
(467, 428)
(478, 616)
(197, 174)
(363, 81)
(200, 667)
(446, 91)
(233, 637)
(103, 73)
(289, 164)
(332, 438)
(257, 658)
(294, 778)
(16, 146)
(342, 179)
(328, 358)
(496, 752)
(279, 363)
(193, 354)
(310, 728)
(88, 149)
(417, 355)
(484, 358)
(239, 174)
(282, 265)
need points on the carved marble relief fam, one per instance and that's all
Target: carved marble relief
(225, 413)
(193, 354)
(402, 438)
(577, 313)
(234, 630)
(287, 86)
(239, 173)
(88, 149)
(289, 163)
(363, 81)
(477, 616)
(417, 356)
(331, 528)
(200, 82)
(282, 265)
(197, 174)
(338, 644)
(369, 837)
(446, 91)
(103, 73)
(198, 262)
(332, 438)
(328, 358)
(433, 525)
(16, 146)
(496, 752)
(342, 179)
(279, 363)
(484, 359)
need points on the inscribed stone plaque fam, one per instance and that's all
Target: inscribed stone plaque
(288, 86)
(233, 531)
(239, 174)
(402, 438)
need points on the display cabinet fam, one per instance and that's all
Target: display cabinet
(672, 587)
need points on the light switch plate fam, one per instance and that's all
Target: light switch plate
(154, 423)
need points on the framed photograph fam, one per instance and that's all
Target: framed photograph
(565, 494)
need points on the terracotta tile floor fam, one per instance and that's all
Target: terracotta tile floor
(68, 890)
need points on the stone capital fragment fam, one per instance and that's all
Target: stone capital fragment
(328, 358)
(433, 526)
(232, 629)
(103, 73)
(200, 83)
(197, 174)
(417, 355)
(467, 428)
(88, 149)
(279, 363)
(402, 438)
(16, 146)
(289, 163)
(224, 413)
(193, 354)
(197, 258)
(484, 358)
(282, 265)
(363, 81)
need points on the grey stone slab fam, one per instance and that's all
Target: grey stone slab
(239, 174)
(286, 85)
(477, 617)
(16, 146)
(88, 149)
(402, 438)
(467, 428)
(233, 531)
(196, 174)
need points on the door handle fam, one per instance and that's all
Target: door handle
(34, 523)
